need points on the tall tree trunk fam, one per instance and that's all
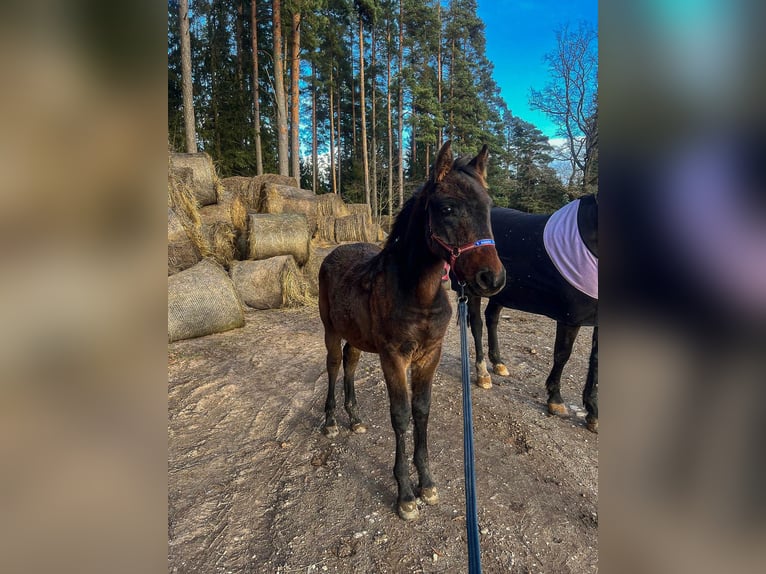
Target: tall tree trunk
(401, 104)
(390, 130)
(363, 113)
(186, 78)
(353, 96)
(373, 141)
(239, 32)
(340, 141)
(279, 90)
(332, 138)
(452, 89)
(295, 112)
(314, 158)
(256, 91)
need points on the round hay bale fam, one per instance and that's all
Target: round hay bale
(331, 204)
(222, 240)
(325, 228)
(311, 269)
(270, 235)
(285, 199)
(247, 189)
(201, 301)
(360, 209)
(182, 253)
(196, 170)
(259, 185)
(270, 283)
(353, 228)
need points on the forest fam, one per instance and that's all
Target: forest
(356, 96)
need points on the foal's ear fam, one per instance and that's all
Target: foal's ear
(480, 161)
(443, 163)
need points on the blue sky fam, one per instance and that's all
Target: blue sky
(519, 33)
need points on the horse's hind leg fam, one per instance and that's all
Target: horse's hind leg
(474, 319)
(332, 342)
(422, 373)
(492, 317)
(350, 360)
(562, 350)
(590, 392)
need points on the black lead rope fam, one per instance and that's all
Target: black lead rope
(471, 514)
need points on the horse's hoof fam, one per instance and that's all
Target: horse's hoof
(592, 426)
(429, 495)
(408, 510)
(331, 431)
(485, 382)
(559, 409)
(501, 369)
(358, 428)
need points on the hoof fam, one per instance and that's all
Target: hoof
(358, 428)
(500, 369)
(429, 495)
(485, 382)
(592, 426)
(331, 431)
(559, 409)
(408, 510)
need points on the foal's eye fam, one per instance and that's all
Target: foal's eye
(446, 210)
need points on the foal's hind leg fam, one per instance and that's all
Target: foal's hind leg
(474, 319)
(350, 360)
(492, 316)
(332, 342)
(590, 392)
(562, 350)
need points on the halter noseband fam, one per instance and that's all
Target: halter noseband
(453, 250)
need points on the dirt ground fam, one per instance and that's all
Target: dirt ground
(254, 486)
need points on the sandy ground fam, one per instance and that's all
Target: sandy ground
(253, 485)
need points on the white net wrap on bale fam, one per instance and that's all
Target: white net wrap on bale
(354, 228)
(270, 283)
(285, 199)
(202, 301)
(182, 252)
(279, 234)
(196, 170)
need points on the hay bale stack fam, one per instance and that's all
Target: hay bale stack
(260, 182)
(270, 283)
(285, 199)
(201, 301)
(197, 172)
(354, 228)
(222, 240)
(311, 269)
(270, 235)
(182, 252)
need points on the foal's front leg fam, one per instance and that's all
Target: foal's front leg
(395, 372)
(474, 320)
(422, 372)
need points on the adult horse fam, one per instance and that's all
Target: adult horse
(391, 302)
(552, 269)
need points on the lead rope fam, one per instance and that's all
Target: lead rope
(471, 515)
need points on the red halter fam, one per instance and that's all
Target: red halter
(455, 251)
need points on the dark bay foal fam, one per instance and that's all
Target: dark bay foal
(392, 302)
(534, 283)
